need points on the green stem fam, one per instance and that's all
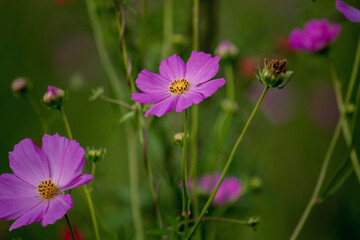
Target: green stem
(196, 25)
(92, 212)
(353, 74)
(229, 75)
(134, 185)
(70, 227)
(118, 102)
(231, 157)
(185, 192)
(66, 122)
(104, 56)
(90, 188)
(314, 198)
(168, 27)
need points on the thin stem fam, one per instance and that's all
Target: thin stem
(168, 27)
(104, 56)
(185, 192)
(118, 102)
(314, 198)
(229, 75)
(196, 25)
(92, 212)
(90, 188)
(66, 122)
(70, 227)
(231, 157)
(353, 74)
(134, 185)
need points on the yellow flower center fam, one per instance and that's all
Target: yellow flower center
(179, 86)
(47, 189)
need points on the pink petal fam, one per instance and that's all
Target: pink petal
(58, 206)
(29, 163)
(349, 12)
(201, 67)
(148, 98)
(14, 207)
(12, 186)
(163, 107)
(150, 82)
(80, 180)
(172, 68)
(297, 39)
(33, 215)
(66, 158)
(209, 88)
(187, 99)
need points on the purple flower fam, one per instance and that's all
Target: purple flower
(179, 85)
(349, 12)
(35, 192)
(229, 190)
(54, 97)
(316, 36)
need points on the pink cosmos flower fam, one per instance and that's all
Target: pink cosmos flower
(316, 36)
(178, 85)
(229, 190)
(35, 192)
(349, 12)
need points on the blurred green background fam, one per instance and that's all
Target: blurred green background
(52, 43)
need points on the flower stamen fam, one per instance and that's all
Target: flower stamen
(47, 189)
(179, 86)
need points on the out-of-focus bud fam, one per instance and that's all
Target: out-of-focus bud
(228, 105)
(274, 74)
(178, 41)
(19, 86)
(226, 50)
(253, 222)
(54, 97)
(179, 138)
(95, 155)
(255, 183)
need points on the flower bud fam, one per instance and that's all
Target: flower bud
(179, 138)
(226, 50)
(54, 97)
(19, 86)
(95, 155)
(274, 74)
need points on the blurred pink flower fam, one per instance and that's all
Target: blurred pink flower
(317, 35)
(247, 67)
(229, 190)
(349, 12)
(226, 49)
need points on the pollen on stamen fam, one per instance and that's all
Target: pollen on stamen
(179, 86)
(47, 189)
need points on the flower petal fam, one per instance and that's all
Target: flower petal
(80, 180)
(187, 99)
(349, 12)
(163, 107)
(28, 162)
(209, 88)
(11, 208)
(150, 82)
(66, 158)
(172, 68)
(201, 67)
(58, 206)
(33, 215)
(148, 98)
(13, 186)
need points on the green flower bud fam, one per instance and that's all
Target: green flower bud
(274, 74)
(179, 138)
(95, 155)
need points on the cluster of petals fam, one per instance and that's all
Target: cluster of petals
(197, 72)
(229, 190)
(59, 161)
(349, 12)
(316, 35)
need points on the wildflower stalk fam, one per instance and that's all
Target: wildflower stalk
(86, 190)
(90, 188)
(314, 198)
(229, 76)
(70, 227)
(226, 168)
(168, 27)
(195, 117)
(185, 192)
(134, 185)
(66, 122)
(115, 101)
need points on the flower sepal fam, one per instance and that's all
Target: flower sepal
(54, 97)
(274, 74)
